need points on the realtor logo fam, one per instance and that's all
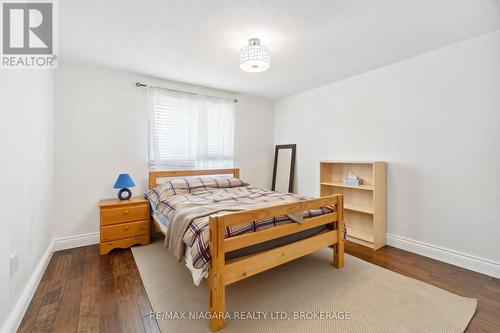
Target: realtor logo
(28, 35)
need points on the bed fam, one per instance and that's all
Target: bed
(233, 231)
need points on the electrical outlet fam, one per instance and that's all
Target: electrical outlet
(14, 263)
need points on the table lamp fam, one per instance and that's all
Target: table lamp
(123, 182)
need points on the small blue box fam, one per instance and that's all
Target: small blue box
(352, 181)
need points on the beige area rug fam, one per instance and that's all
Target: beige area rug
(368, 297)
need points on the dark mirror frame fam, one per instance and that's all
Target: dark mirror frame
(292, 165)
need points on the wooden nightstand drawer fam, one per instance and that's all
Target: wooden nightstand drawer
(124, 230)
(124, 214)
(104, 248)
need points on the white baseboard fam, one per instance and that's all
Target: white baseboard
(71, 242)
(456, 258)
(17, 313)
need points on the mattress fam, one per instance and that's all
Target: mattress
(281, 241)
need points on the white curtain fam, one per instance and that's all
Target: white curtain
(189, 131)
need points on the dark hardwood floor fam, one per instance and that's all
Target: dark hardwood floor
(82, 291)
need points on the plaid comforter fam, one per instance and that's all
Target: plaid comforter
(197, 234)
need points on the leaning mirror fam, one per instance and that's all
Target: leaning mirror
(284, 163)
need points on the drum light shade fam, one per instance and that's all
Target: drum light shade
(124, 181)
(255, 58)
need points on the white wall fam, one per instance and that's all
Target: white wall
(27, 169)
(102, 130)
(435, 119)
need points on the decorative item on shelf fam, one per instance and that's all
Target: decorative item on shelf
(352, 179)
(123, 182)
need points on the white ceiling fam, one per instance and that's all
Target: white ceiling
(312, 42)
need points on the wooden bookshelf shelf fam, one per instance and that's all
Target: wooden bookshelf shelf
(359, 187)
(358, 208)
(364, 205)
(361, 235)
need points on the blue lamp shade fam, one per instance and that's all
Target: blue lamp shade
(124, 181)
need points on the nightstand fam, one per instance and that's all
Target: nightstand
(123, 223)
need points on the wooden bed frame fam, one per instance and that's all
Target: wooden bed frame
(222, 273)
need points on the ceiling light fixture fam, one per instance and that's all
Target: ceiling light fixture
(254, 58)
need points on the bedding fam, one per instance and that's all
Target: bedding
(197, 273)
(188, 202)
(159, 217)
(159, 223)
(162, 218)
(189, 185)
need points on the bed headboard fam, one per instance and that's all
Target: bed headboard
(154, 175)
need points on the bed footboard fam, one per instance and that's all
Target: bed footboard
(222, 273)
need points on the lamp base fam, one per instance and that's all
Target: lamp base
(124, 194)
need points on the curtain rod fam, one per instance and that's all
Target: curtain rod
(140, 85)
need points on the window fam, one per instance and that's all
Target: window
(190, 131)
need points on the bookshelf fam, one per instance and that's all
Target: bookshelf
(364, 205)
